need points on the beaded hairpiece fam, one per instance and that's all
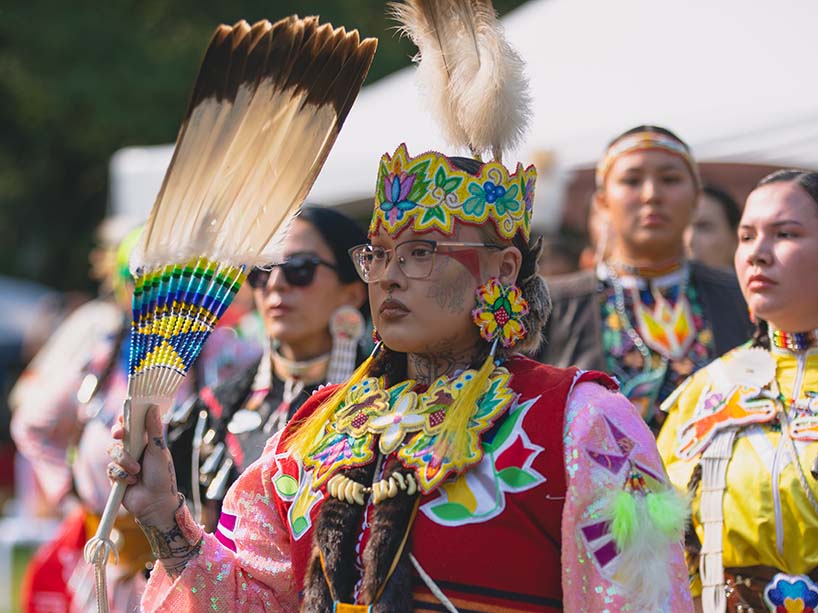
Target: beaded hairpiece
(640, 141)
(429, 193)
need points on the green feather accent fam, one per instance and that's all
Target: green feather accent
(668, 511)
(624, 519)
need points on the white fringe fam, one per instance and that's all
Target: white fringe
(711, 567)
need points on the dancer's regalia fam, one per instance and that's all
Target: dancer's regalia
(650, 326)
(741, 436)
(508, 486)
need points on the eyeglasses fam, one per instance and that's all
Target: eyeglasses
(416, 259)
(298, 269)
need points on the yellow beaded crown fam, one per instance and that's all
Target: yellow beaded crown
(429, 193)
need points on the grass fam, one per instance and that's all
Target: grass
(20, 558)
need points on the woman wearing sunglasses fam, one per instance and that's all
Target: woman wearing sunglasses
(449, 472)
(742, 434)
(313, 307)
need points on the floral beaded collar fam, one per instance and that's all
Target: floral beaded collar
(398, 420)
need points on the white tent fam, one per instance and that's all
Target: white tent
(735, 79)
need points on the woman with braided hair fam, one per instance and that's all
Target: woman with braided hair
(450, 472)
(389, 490)
(741, 434)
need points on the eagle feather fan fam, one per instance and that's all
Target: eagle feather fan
(266, 108)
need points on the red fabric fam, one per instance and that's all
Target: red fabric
(44, 588)
(301, 549)
(510, 562)
(519, 550)
(7, 453)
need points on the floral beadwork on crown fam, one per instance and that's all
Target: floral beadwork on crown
(429, 193)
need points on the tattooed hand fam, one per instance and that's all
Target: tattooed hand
(152, 497)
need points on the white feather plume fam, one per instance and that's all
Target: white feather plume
(472, 77)
(642, 564)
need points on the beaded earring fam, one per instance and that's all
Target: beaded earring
(499, 312)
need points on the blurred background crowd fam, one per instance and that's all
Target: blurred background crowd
(93, 94)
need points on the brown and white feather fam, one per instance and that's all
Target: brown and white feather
(473, 78)
(267, 107)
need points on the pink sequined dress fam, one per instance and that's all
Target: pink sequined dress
(524, 529)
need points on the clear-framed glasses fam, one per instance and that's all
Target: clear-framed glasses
(416, 258)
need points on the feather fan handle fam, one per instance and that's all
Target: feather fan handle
(473, 78)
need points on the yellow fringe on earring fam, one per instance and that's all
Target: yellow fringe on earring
(453, 439)
(304, 435)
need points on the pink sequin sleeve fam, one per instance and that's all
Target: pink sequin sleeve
(245, 567)
(605, 441)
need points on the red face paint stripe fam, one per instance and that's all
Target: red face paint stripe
(469, 259)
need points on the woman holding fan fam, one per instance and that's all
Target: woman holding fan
(449, 470)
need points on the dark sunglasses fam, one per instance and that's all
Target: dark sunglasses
(298, 270)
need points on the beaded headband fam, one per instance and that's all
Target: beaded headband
(640, 141)
(428, 193)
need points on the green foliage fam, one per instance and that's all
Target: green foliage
(83, 79)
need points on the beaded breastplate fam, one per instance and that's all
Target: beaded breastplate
(405, 422)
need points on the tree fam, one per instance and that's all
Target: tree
(83, 79)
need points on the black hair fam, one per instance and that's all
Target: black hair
(728, 204)
(469, 165)
(808, 181)
(340, 233)
(649, 128)
(761, 335)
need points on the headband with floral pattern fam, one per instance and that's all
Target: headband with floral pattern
(429, 192)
